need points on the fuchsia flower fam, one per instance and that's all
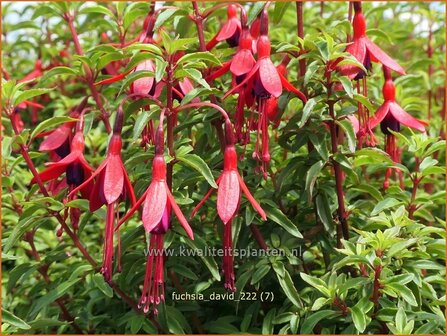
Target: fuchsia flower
(157, 203)
(364, 50)
(262, 82)
(58, 141)
(230, 184)
(230, 31)
(158, 195)
(390, 115)
(76, 167)
(77, 172)
(112, 186)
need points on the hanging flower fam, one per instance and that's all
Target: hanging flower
(112, 186)
(264, 81)
(364, 50)
(240, 65)
(390, 116)
(58, 141)
(77, 171)
(230, 31)
(74, 165)
(157, 203)
(230, 184)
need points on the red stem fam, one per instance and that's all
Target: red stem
(342, 214)
(300, 32)
(89, 76)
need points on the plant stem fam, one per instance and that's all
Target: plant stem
(258, 237)
(170, 121)
(300, 32)
(198, 20)
(376, 285)
(89, 76)
(412, 207)
(430, 67)
(342, 214)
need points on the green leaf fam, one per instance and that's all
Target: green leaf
(385, 204)
(49, 123)
(141, 122)
(347, 86)
(311, 321)
(17, 272)
(41, 323)
(97, 9)
(198, 56)
(19, 230)
(359, 319)
(160, 67)
(401, 319)
(197, 92)
(25, 95)
(56, 71)
(267, 324)
(133, 11)
(368, 156)
(317, 283)
(102, 285)
(289, 288)
(106, 59)
(403, 291)
(11, 319)
(311, 178)
(261, 272)
(348, 129)
(163, 17)
(320, 302)
(364, 101)
(324, 211)
(254, 11)
(279, 10)
(139, 58)
(51, 296)
(132, 77)
(199, 244)
(278, 217)
(307, 110)
(151, 48)
(197, 163)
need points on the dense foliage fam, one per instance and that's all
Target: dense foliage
(356, 219)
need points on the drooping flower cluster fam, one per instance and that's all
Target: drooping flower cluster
(390, 115)
(259, 84)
